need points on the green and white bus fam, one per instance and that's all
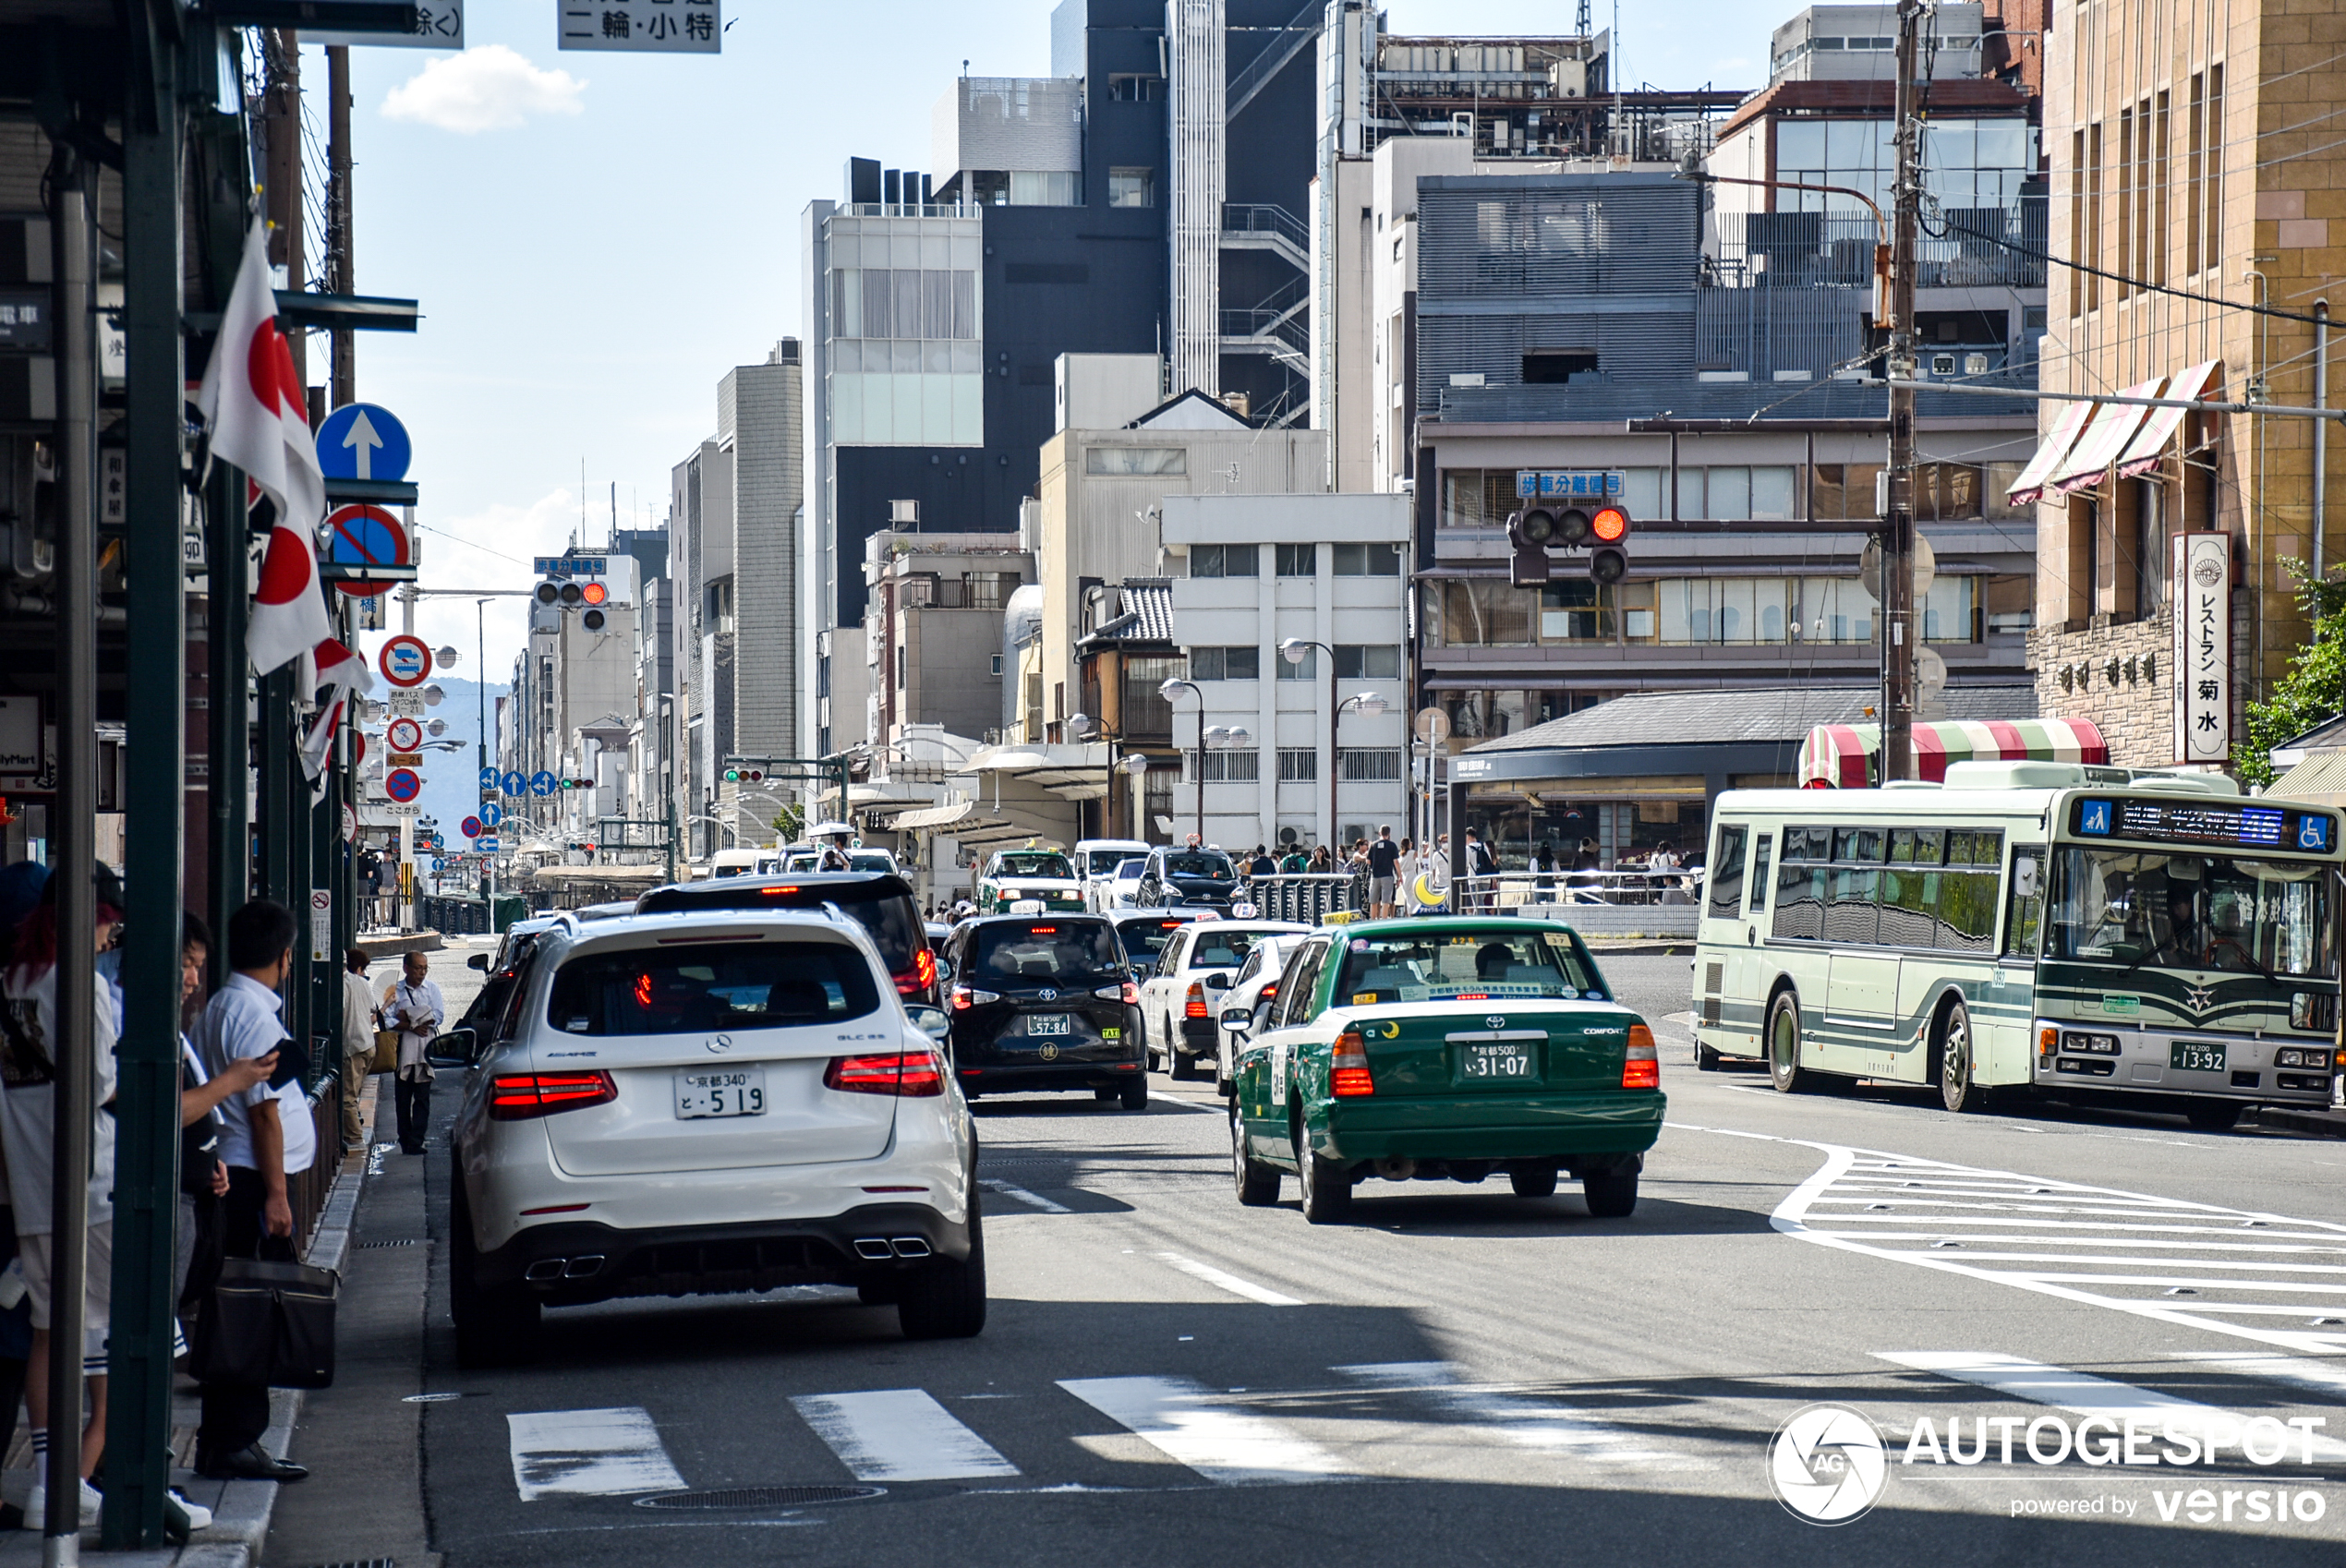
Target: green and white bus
(2092, 932)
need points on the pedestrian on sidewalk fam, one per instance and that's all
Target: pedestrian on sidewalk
(359, 1017)
(266, 1136)
(412, 1006)
(1385, 857)
(29, 1045)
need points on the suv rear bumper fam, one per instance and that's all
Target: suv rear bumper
(573, 1262)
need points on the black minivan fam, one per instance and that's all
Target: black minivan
(880, 901)
(1045, 1002)
(1176, 876)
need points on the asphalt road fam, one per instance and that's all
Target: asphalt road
(1466, 1377)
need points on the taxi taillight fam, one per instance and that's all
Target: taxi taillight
(1348, 1068)
(1642, 1067)
(1195, 1006)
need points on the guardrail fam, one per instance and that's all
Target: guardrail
(1313, 898)
(306, 1191)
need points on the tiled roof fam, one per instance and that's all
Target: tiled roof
(1148, 613)
(1726, 718)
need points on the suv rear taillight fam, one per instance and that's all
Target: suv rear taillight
(1195, 1006)
(1348, 1067)
(920, 977)
(1126, 993)
(967, 996)
(911, 1073)
(1642, 1068)
(519, 1097)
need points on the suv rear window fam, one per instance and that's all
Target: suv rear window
(1144, 940)
(706, 988)
(1043, 950)
(882, 905)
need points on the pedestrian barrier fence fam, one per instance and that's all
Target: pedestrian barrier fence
(1655, 904)
(306, 1191)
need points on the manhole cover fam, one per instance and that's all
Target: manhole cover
(761, 1497)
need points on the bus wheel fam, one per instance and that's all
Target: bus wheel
(1783, 1046)
(1959, 1088)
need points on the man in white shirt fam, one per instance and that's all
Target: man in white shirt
(266, 1135)
(357, 1043)
(414, 1008)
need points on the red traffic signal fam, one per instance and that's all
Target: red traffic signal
(1609, 553)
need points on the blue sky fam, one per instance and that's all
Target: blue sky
(596, 237)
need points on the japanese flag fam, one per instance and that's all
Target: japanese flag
(319, 740)
(252, 402)
(337, 666)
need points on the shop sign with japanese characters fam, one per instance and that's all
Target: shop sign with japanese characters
(653, 26)
(2202, 599)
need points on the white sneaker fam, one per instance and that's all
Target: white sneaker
(199, 1517)
(36, 1512)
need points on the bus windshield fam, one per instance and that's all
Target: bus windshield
(2192, 911)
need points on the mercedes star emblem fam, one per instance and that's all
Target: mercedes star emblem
(719, 1042)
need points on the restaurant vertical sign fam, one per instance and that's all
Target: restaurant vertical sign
(2202, 665)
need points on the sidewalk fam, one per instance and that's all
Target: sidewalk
(241, 1510)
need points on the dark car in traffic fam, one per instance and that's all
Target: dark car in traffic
(1176, 876)
(1143, 933)
(1042, 1003)
(880, 901)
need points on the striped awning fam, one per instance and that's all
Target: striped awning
(2148, 446)
(2113, 425)
(1846, 756)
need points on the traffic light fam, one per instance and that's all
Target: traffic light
(744, 773)
(593, 618)
(1528, 532)
(1533, 531)
(1609, 545)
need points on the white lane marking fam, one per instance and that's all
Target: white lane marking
(2315, 1376)
(588, 1454)
(899, 1434)
(1517, 1419)
(2084, 1394)
(1230, 1282)
(1034, 1200)
(1182, 1420)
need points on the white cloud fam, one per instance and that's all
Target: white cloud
(488, 88)
(490, 548)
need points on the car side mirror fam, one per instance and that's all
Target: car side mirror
(931, 1021)
(478, 961)
(1217, 981)
(1237, 1018)
(457, 1048)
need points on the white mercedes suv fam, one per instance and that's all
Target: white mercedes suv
(707, 1102)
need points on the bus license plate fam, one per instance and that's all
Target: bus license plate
(1049, 1023)
(2194, 1056)
(702, 1095)
(1508, 1061)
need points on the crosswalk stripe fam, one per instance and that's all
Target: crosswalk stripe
(1517, 1419)
(2083, 1394)
(900, 1434)
(1180, 1419)
(588, 1454)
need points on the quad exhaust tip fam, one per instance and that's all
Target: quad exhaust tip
(545, 1271)
(877, 1248)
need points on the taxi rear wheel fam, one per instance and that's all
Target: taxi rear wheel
(1178, 1063)
(1783, 1046)
(1258, 1184)
(1135, 1093)
(1533, 1181)
(1611, 1194)
(1327, 1186)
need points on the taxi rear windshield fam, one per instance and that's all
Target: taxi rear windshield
(711, 988)
(1465, 966)
(1036, 862)
(1146, 938)
(1044, 951)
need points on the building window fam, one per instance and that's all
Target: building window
(1843, 491)
(1306, 669)
(1477, 498)
(1298, 764)
(2150, 546)
(1577, 611)
(1297, 561)
(878, 302)
(1116, 460)
(1553, 367)
(1233, 766)
(996, 662)
(1368, 763)
(1223, 560)
(1225, 664)
(1024, 187)
(1131, 188)
(1368, 661)
(1133, 89)
(1480, 613)
(1367, 560)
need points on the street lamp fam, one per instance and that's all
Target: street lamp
(1166, 691)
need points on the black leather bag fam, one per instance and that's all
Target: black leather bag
(269, 1323)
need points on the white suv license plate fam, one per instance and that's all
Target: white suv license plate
(702, 1095)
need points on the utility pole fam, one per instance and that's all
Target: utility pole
(1898, 524)
(281, 115)
(340, 276)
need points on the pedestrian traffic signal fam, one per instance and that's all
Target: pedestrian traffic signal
(1609, 545)
(1528, 533)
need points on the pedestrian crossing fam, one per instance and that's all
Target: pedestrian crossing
(1383, 1421)
(2244, 1273)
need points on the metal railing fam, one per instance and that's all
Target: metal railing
(306, 1191)
(1265, 218)
(1306, 897)
(1313, 898)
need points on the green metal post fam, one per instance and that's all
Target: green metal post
(300, 820)
(146, 1199)
(672, 837)
(228, 687)
(275, 792)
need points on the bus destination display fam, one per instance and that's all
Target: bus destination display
(2246, 826)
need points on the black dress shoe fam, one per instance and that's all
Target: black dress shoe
(250, 1463)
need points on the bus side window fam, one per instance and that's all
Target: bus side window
(1726, 871)
(1759, 872)
(2027, 908)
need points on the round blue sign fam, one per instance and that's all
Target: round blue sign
(440, 866)
(488, 778)
(491, 814)
(403, 784)
(363, 440)
(515, 783)
(543, 783)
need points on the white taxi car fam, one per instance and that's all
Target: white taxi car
(707, 1102)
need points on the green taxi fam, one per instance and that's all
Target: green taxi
(1043, 878)
(1444, 1049)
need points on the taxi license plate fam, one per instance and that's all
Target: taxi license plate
(2195, 1055)
(1508, 1060)
(736, 1094)
(1049, 1023)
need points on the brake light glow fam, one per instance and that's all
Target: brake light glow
(1195, 1006)
(1128, 994)
(910, 1074)
(1348, 1068)
(644, 990)
(920, 977)
(1268, 992)
(520, 1097)
(1642, 1067)
(1042, 931)
(777, 892)
(966, 996)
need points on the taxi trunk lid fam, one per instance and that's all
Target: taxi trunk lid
(1441, 1049)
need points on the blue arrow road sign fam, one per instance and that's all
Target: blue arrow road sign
(491, 814)
(486, 844)
(363, 440)
(515, 783)
(488, 778)
(440, 866)
(543, 783)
